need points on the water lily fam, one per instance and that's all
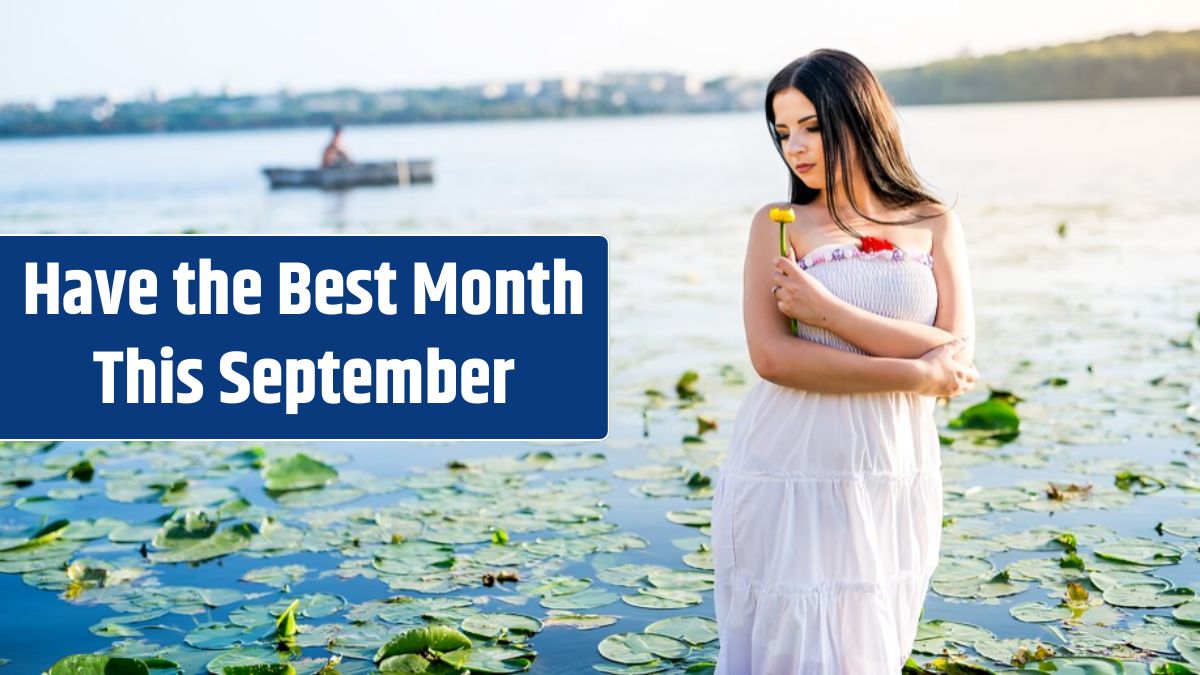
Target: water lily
(783, 217)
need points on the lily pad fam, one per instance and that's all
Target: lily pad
(95, 664)
(655, 666)
(1188, 613)
(629, 575)
(244, 656)
(558, 585)
(694, 630)
(995, 415)
(635, 648)
(662, 598)
(558, 617)
(1182, 526)
(493, 625)
(428, 639)
(1147, 596)
(218, 636)
(44, 535)
(297, 472)
(261, 669)
(498, 659)
(691, 517)
(1141, 551)
(995, 586)
(1039, 612)
(277, 577)
(222, 543)
(681, 580)
(588, 599)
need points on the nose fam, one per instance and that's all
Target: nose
(795, 146)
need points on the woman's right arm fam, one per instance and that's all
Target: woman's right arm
(789, 361)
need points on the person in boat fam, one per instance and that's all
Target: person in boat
(334, 154)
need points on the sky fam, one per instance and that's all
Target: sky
(126, 48)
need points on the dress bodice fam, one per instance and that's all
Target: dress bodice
(897, 284)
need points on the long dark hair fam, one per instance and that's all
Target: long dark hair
(852, 108)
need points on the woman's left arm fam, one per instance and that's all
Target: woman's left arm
(882, 336)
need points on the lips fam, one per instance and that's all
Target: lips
(801, 168)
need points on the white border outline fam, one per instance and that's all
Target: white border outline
(607, 340)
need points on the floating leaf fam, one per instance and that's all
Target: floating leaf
(1188, 613)
(498, 659)
(1188, 526)
(651, 472)
(655, 666)
(243, 656)
(1039, 612)
(218, 636)
(995, 586)
(95, 664)
(635, 648)
(681, 579)
(662, 598)
(692, 517)
(1141, 552)
(277, 577)
(1147, 596)
(261, 669)
(45, 535)
(995, 415)
(694, 630)
(493, 625)
(628, 575)
(224, 542)
(558, 617)
(589, 599)
(297, 472)
(701, 560)
(685, 387)
(427, 638)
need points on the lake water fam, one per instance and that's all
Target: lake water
(1099, 306)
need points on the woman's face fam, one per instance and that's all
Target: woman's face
(799, 133)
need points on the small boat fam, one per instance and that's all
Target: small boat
(401, 172)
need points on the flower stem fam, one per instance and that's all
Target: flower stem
(783, 251)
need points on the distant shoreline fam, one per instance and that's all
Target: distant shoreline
(1161, 64)
(475, 120)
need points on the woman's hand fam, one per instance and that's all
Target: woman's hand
(799, 295)
(944, 375)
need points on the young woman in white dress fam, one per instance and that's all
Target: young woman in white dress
(827, 510)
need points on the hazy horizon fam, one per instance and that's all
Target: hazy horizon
(128, 48)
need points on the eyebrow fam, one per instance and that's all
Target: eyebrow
(799, 121)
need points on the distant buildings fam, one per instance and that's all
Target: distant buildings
(98, 108)
(613, 93)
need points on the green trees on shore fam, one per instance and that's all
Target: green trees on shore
(1120, 66)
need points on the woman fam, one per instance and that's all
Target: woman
(827, 512)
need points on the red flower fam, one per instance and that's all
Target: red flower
(872, 244)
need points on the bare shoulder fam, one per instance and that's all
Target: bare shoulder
(942, 221)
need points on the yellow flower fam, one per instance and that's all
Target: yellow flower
(783, 215)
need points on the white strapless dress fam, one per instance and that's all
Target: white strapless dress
(827, 512)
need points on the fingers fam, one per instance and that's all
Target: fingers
(785, 264)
